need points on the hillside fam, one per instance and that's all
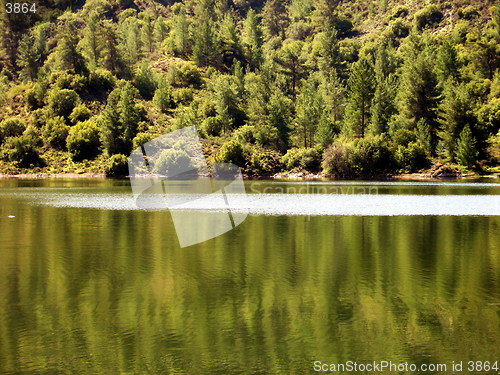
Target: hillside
(348, 88)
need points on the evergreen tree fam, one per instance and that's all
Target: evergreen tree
(180, 32)
(361, 88)
(147, 34)
(292, 61)
(92, 41)
(274, 18)
(447, 61)
(110, 54)
(28, 57)
(66, 55)
(280, 110)
(204, 48)
(119, 120)
(418, 94)
(456, 112)
(252, 40)
(466, 152)
(309, 109)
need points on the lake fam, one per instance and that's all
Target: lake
(328, 272)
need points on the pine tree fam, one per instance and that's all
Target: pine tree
(91, 41)
(309, 108)
(280, 110)
(292, 61)
(418, 95)
(252, 40)
(147, 34)
(130, 43)
(180, 32)
(456, 112)
(274, 18)
(66, 55)
(466, 152)
(361, 88)
(28, 57)
(204, 48)
(110, 54)
(447, 61)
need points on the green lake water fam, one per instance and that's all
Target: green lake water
(91, 285)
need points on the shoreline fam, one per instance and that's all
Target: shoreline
(301, 176)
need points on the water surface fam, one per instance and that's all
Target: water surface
(90, 284)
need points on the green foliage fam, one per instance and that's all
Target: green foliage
(11, 127)
(427, 17)
(466, 152)
(117, 166)
(263, 161)
(361, 91)
(468, 13)
(456, 112)
(399, 11)
(55, 131)
(80, 113)
(83, 141)
(411, 158)
(22, 151)
(371, 156)
(119, 120)
(171, 161)
(62, 102)
(231, 152)
(163, 97)
(101, 81)
(337, 160)
(212, 126)
(145, 82)
(307, 159)
(140, 139)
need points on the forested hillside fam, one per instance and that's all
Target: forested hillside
(350, 88)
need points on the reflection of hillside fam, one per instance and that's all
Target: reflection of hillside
(94, 291)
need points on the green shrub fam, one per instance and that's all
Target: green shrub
(343, 27)
(11, 127)
(263, 161)
(402, 137)
(117, 166)
(184, 74)
(398, 29)
(468, 13)
(80, 113)
(245, 134)
(171, 161)
(22, 150)
(145, 82)
(411, 158)
(62, 102)
(371, 156)
(163, 98)
(183, 95)
(399, 12)
(231, 152)
(307, 159)
(427, 17)
(140, 139)
(337, 160)
(101, 80)
(83, 141)
(212, 126)
(33, 132)
(55, 132)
